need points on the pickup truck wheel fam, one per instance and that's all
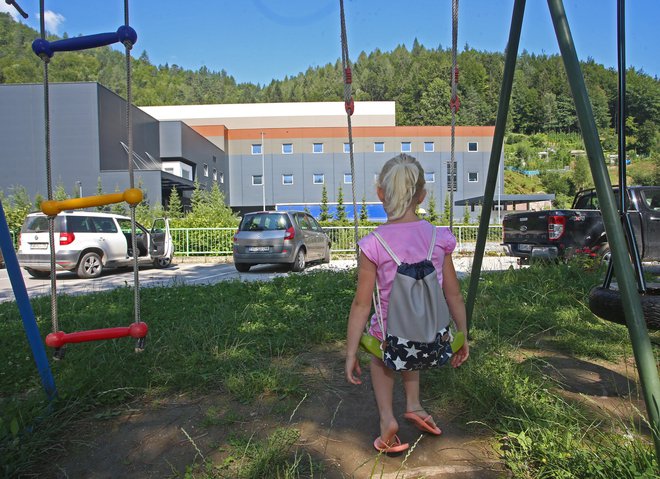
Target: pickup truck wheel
(605, 254)
(90, 265)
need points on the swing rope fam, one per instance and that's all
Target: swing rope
(454, 105)
(49, 182)
(131, 175)
(349, 106)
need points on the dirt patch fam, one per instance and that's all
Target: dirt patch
(337, 424)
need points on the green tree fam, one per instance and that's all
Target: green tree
(364, 215)
(466, 215)
(431, 210)
(60, 193)
(119, 208)
(446, 213)
(341, 210)
(324, 216)
(17, 208)
(209, 209)
(581, 176)
(174, 210)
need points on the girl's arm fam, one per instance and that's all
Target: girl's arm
(454, 298)
(358, 317)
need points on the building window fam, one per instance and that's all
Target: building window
(287, 148)
(473, 176)
(169, 170)
(347, 147)
(257, 180)
(287, 179)
(256, 149)
(429, 176)
(318, 178)
(429, 147)
(214, 159)
(222, 177)
(405, 147)
(379, 147)
(206, 170)
(473, 146)
(451, 184)
(317, 148)
(215, 174)
(348, 178)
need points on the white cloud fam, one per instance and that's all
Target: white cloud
(53, 21)
(10, 10)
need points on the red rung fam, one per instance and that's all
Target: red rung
(60, 338)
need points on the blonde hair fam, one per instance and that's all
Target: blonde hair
(402, 181)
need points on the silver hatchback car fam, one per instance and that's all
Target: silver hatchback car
(291, 237)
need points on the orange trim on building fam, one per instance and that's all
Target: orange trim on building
(335, 132)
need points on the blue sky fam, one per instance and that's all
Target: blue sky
(258, 40)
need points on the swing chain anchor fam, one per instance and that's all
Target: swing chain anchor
(17, 7)
(58, 354)
(455, 104)
(349, 106)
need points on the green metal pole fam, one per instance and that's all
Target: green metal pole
(495, 152)
(632, 305)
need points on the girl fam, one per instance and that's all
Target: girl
(400, 188)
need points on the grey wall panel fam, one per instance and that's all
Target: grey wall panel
(113, 131)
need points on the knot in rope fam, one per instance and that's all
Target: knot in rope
(455, 104)
(349, 106)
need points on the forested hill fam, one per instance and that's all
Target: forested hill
(417, 79)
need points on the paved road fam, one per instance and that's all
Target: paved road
(192, 273)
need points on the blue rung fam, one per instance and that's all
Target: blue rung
(45, 49)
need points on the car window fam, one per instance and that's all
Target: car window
(275, 222)
(652, 199)
(79, 224)
(104, 225)
(36, 224)
(314, 223)
(302, 222)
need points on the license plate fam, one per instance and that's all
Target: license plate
(525, 247)
(258, 249)
(39, 245)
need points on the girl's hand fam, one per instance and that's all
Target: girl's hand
(460, 356)
(353, 365)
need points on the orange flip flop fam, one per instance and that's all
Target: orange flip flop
(425, 424)
(397, 446)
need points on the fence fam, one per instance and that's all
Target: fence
(218, 241)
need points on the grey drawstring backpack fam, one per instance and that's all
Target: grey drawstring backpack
(417, 334)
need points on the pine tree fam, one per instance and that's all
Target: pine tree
(324, 216)
(466, 215)
(341, 210)
(364, 215)
(432, 213)
(446, 214)
(174, 205)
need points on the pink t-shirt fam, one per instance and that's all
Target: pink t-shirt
(410, 242)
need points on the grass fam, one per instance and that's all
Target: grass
(244, 340)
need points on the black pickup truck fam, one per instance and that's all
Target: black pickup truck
(560, 234)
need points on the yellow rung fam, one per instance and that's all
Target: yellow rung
(132, 196)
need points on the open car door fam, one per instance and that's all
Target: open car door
(162, 247)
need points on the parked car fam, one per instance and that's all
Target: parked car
(88, 242)
(560, 234)
(290, 237)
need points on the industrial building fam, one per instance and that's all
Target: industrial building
(277, 155)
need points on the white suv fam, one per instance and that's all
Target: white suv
(87, 242)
